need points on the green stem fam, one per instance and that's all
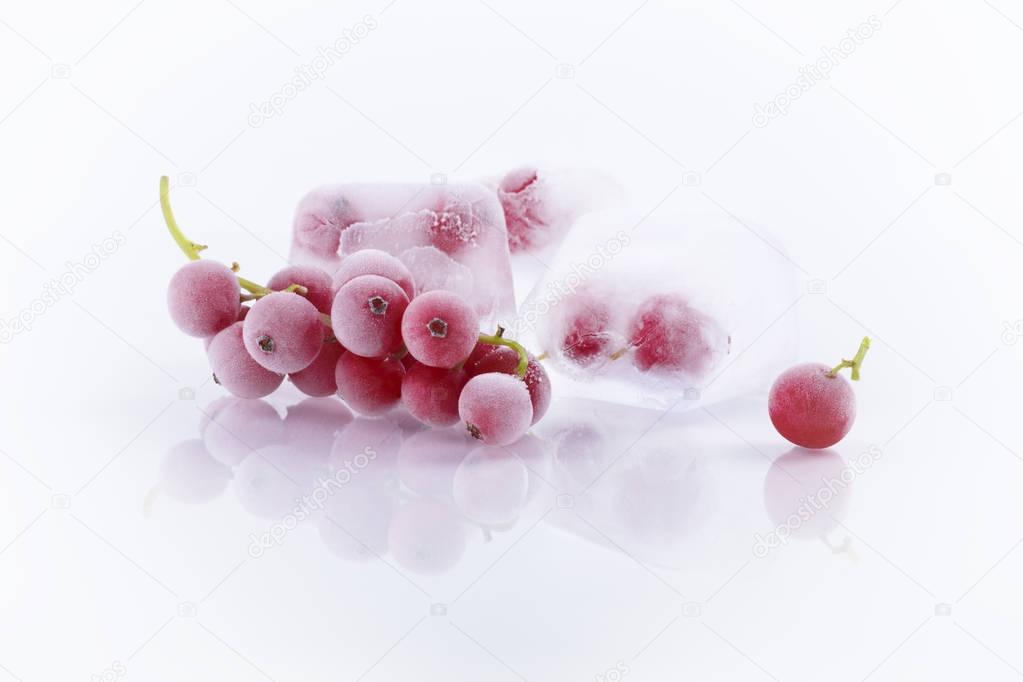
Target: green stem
(498, 340)
(855, 363)
(190, 248)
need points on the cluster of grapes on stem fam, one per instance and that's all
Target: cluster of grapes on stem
(365, 334)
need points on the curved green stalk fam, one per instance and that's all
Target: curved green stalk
(498, 340)
(190, 248)
(855, 363)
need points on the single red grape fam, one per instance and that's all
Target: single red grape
(430, 394)
(369, 385)
(496, 408)
(587, 336)
(319, 290)
(367, 315)
(812, 407)
(440, 329)
(318, 378)
(669, 335)
(203, 298)
(283, 332)
(235, 369)
(506, 360)
(517, 192)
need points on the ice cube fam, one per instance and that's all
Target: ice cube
(641, 324)
(463, 222)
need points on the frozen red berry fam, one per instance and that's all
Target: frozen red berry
(496, 408)
(203, 298)
(369, 385)
(235, 369)
(319, 290)
(812, 405)
(506, 360)
(670, 335)
(440, 329)
(430, 394)
(367, 315)
(283, 332)
(318, 379)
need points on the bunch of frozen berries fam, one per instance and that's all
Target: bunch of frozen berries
(365, 334)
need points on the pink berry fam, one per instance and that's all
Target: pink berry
(367, 314)
(811, 407)
(375, 262)
(440, 329)
(320, 218)
(430, 394)
(203, 298)
(369, 385)
(318, 378)
(317, 282)
(496, 408)
(517, 192)
(455, 227)
(506, 360)
(283, 332)
(669, 335)
(235, 369)
(586, 330)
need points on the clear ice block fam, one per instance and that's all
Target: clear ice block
(452, 237)
(670, 309)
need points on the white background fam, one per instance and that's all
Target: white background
(894, 185)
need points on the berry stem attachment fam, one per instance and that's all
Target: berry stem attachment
(855, 363)
(497, 340)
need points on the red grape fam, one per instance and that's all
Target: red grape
(440, 329)
(496, 408)
(517, 193)
(430, 394)
(318, 378)
(319, 290)
(375, 262)
(669, 335)
(283, 332)
(369, 385)
(812, 407)
(586, 330)
(235, 369)
(203, 298)
(455, 227)
(506, 360)
(367, 315)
